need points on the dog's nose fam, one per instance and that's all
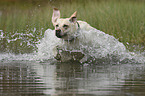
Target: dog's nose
(58, 33)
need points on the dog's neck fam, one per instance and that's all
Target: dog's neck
(72, 38)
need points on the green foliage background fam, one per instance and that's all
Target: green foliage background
(124, 19)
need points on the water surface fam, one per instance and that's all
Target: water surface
(27, 78)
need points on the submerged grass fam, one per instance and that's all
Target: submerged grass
(124, 19)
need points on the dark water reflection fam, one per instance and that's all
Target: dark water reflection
(23, 78)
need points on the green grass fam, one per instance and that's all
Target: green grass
(124, 19)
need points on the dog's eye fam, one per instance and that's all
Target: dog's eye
(57, 25)
(65, 26)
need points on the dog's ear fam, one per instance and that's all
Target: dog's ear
(56, 15)
(73, 17)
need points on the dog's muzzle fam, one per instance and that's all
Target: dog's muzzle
(58, 33)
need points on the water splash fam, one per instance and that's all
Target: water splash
(19, 57)
(19, 46)
(98, 46)
(15, 42)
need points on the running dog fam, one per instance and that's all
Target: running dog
(68, 29)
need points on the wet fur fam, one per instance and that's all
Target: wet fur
(67, 29)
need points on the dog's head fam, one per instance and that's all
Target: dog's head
(64, 28)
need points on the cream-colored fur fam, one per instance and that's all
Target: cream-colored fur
(67, 30)
(68, 26)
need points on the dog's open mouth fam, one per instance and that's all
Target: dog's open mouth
(64, 36)
(60, 35)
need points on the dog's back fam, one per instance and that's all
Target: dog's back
(85, 26)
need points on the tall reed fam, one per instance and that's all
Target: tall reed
(124, 19)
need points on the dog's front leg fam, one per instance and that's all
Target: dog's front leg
(62, 55)
(65, 56)
(58, 57)
(56, 52)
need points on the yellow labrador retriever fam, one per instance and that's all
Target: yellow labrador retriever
(68, 29)
(77, 40)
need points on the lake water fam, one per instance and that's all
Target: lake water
(32, 75)
(50, 78)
